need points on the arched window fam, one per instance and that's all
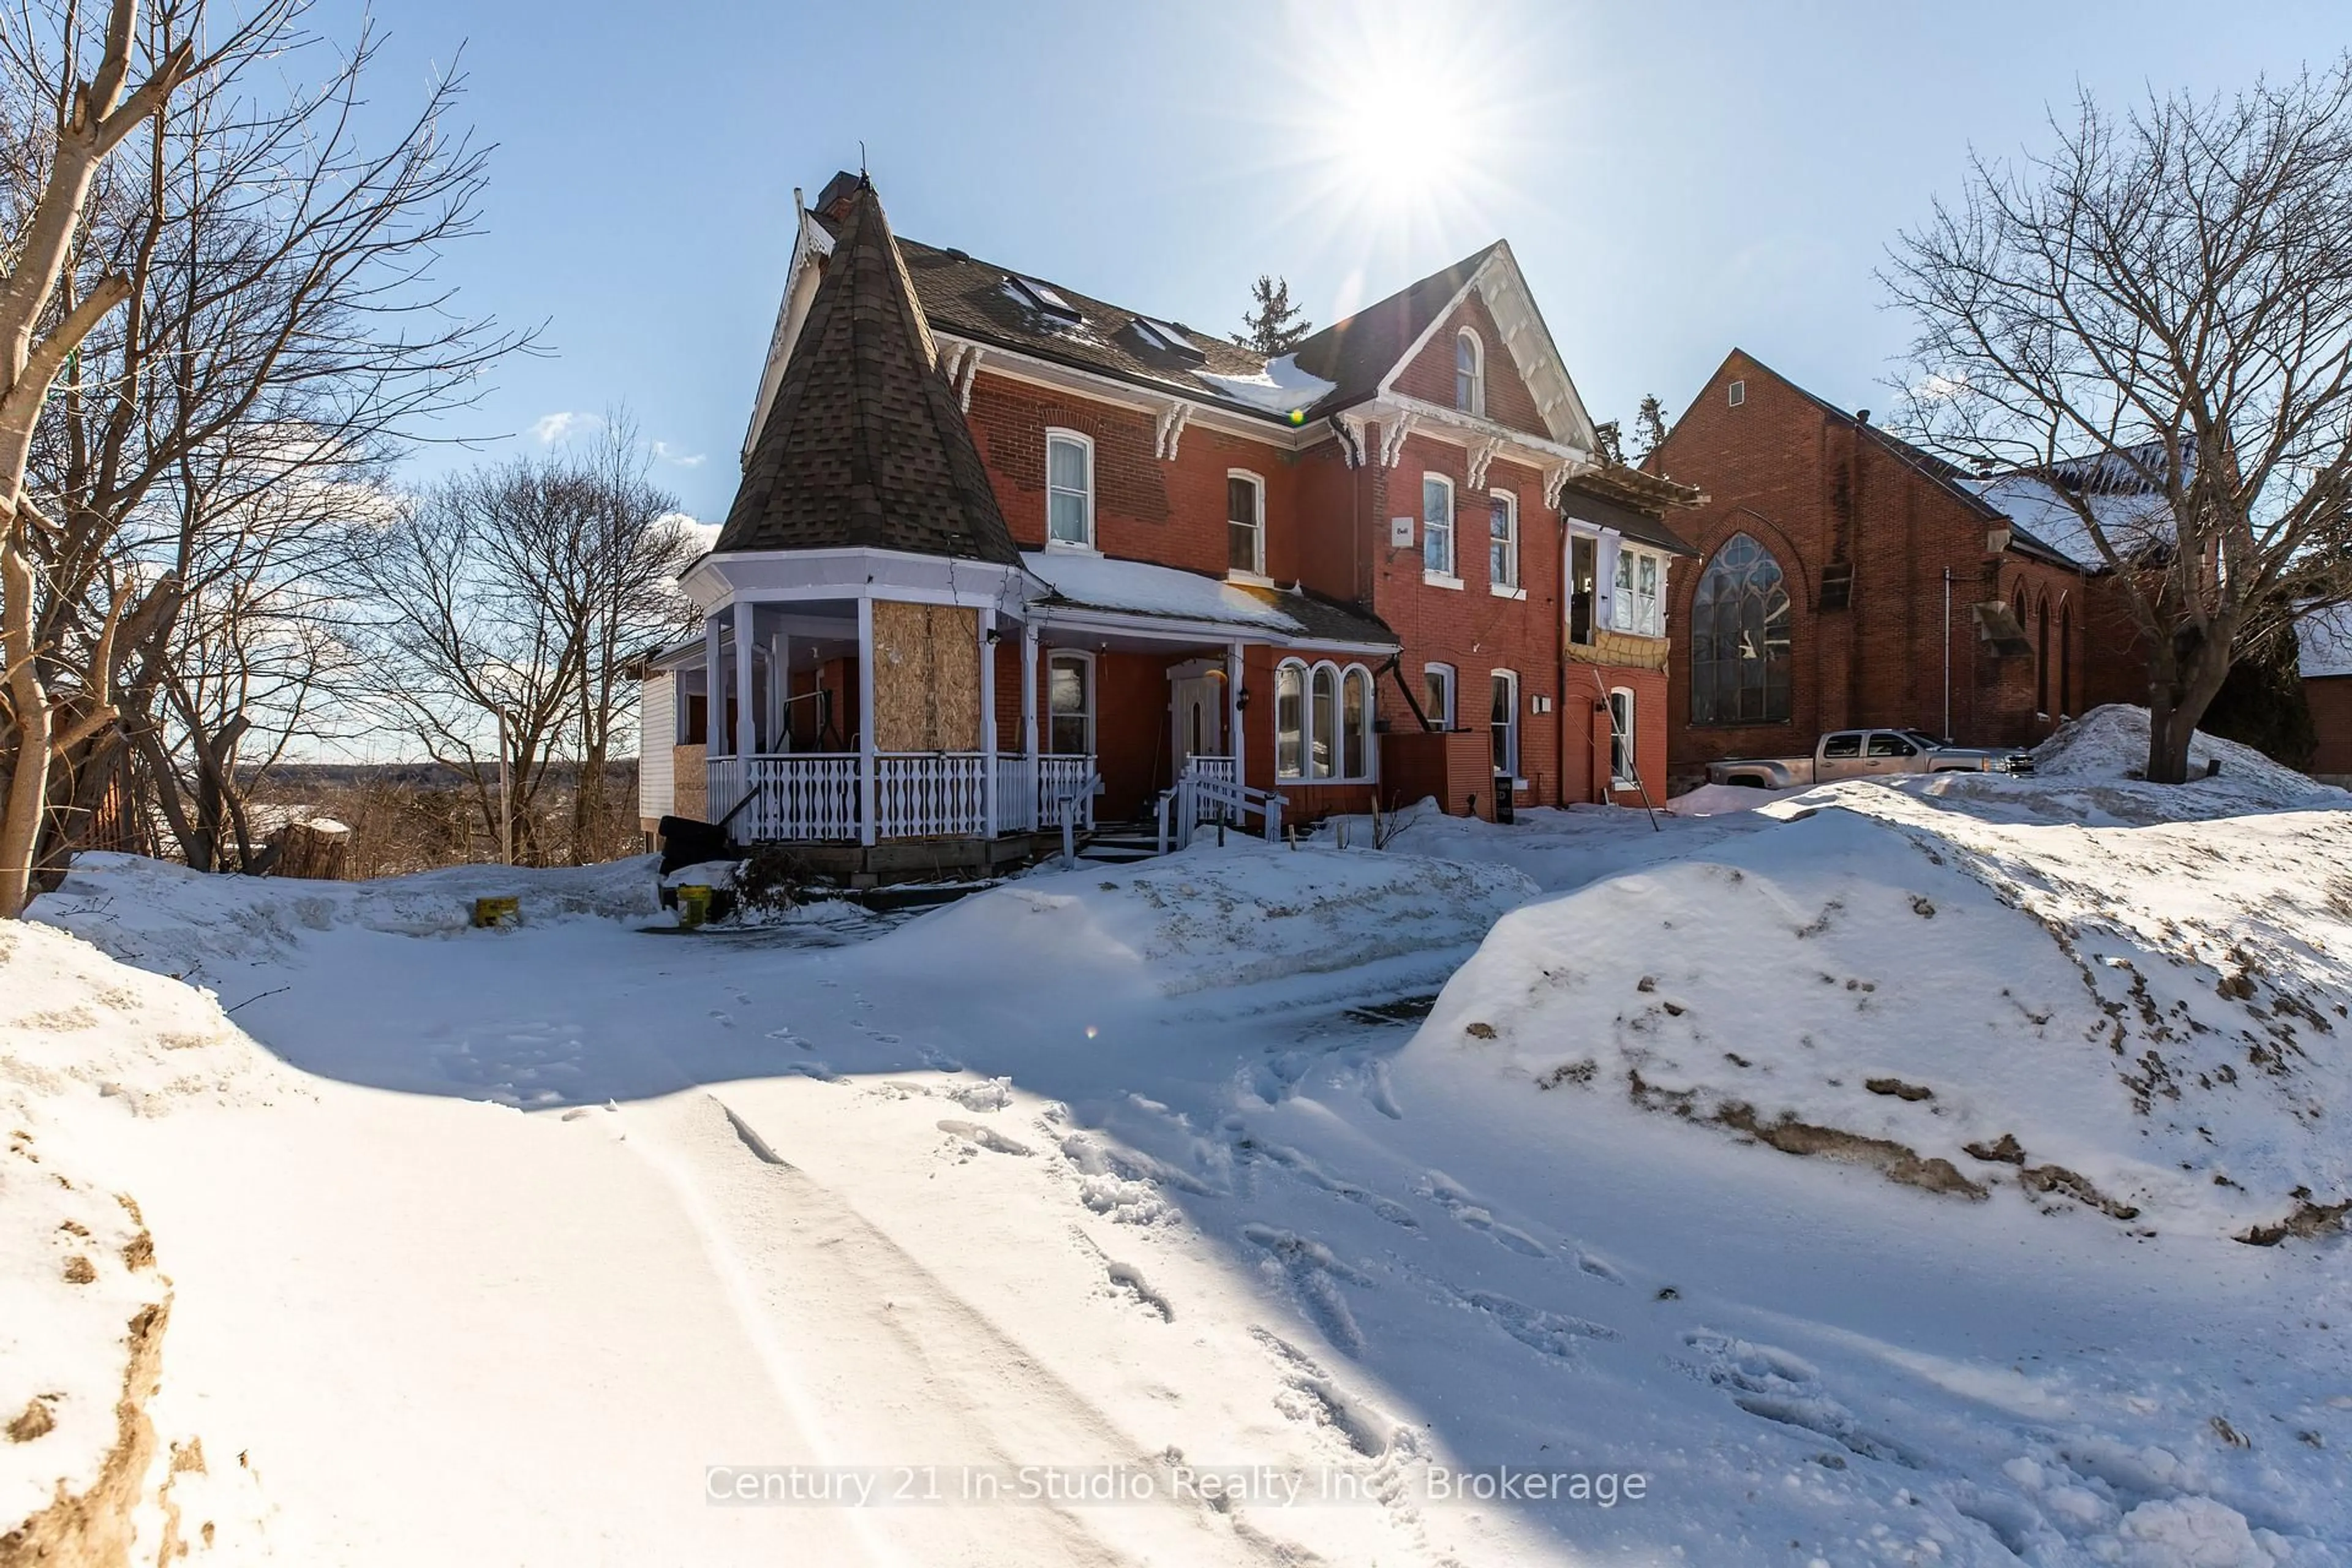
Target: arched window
(1740, 637)
(1469, 373)
(2042, 657)
(1290, 720)
(2067, 656)
(1323, 753)
(1356, 721)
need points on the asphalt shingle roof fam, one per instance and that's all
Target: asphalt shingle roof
(864, 443)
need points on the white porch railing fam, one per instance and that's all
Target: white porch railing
(814, 795)
(1202, 795)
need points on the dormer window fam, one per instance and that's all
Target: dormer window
(1044, 298)
(1165, 337)
(1469, 373)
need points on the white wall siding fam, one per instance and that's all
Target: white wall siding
(656, 731)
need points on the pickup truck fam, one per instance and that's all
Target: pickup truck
(1865, 753)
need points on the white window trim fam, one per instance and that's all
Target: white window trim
(1094, 695)
(1258, 483)
(1452, 576)
(1348, 677)
(1452, 692)
(1056, 433)
(1516, 588)
(1633, 732)
(1341, 674)
(1477, 372)
(1517, 775)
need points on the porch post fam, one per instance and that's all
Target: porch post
(865, 719)
(1233, 711)
(747, 718)
(780, 680)
(986, 617)
(714, 702)
(1029, 691)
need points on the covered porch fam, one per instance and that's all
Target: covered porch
(864, 708)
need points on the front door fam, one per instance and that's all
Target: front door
(1197, 704)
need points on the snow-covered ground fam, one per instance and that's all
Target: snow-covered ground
(498, 1242)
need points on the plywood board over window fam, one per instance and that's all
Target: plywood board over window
(926, 677)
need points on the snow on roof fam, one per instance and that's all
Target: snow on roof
(2324, 642)
(1139, 587)
(2129, 518)
(1283, 388)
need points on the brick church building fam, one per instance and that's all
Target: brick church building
(1848, 578)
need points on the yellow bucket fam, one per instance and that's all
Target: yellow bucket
(497, 914)
(693, 906)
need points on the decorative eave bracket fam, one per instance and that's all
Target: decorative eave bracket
(1482, 455)
(1393, 436)
(1172, 420)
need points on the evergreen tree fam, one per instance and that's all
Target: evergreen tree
(2261, 703)
(1277, 326)
(1649, 427)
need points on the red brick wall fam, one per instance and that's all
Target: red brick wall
(1456, 768)
(1146, 509)
(1430, 375)
(2331, 716)
(1470, 628)
(1586, 733)
(1813, 489)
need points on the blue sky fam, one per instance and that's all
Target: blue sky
(1674, 178)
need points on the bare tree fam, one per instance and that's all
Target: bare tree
(2155, 318)
(39, 329)
(506, 604)
(634, 551)
(285, 336)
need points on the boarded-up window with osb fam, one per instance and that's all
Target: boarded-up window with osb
(926, 677)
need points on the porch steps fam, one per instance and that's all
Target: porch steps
(1121, 842)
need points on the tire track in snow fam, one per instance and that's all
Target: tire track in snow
(884, 1364)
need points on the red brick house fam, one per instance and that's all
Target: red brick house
(996, 536)
(1850, 579)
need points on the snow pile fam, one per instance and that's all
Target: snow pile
(2110, 743)
(170, 920)
(1211, 919)
(1555, 847)
(84, 1043)
(2142, 1022)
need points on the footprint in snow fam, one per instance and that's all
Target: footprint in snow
(1315, 1274)
(988, 1138)
(1450, 1196)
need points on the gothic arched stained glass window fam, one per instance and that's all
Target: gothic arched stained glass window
(1739, 637)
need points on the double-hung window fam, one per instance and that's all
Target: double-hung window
(1437, 695)
(1244, 523)
(1621, 739)
(1503, 541)
(1506, 722)
(1069, 489)
(1437, 525)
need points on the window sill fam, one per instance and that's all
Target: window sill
(1440, 580)
(1073, 549)
(1250, 579)
(1502, 592)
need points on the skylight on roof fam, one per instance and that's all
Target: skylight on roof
(1043, 297)
(1168, 338)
